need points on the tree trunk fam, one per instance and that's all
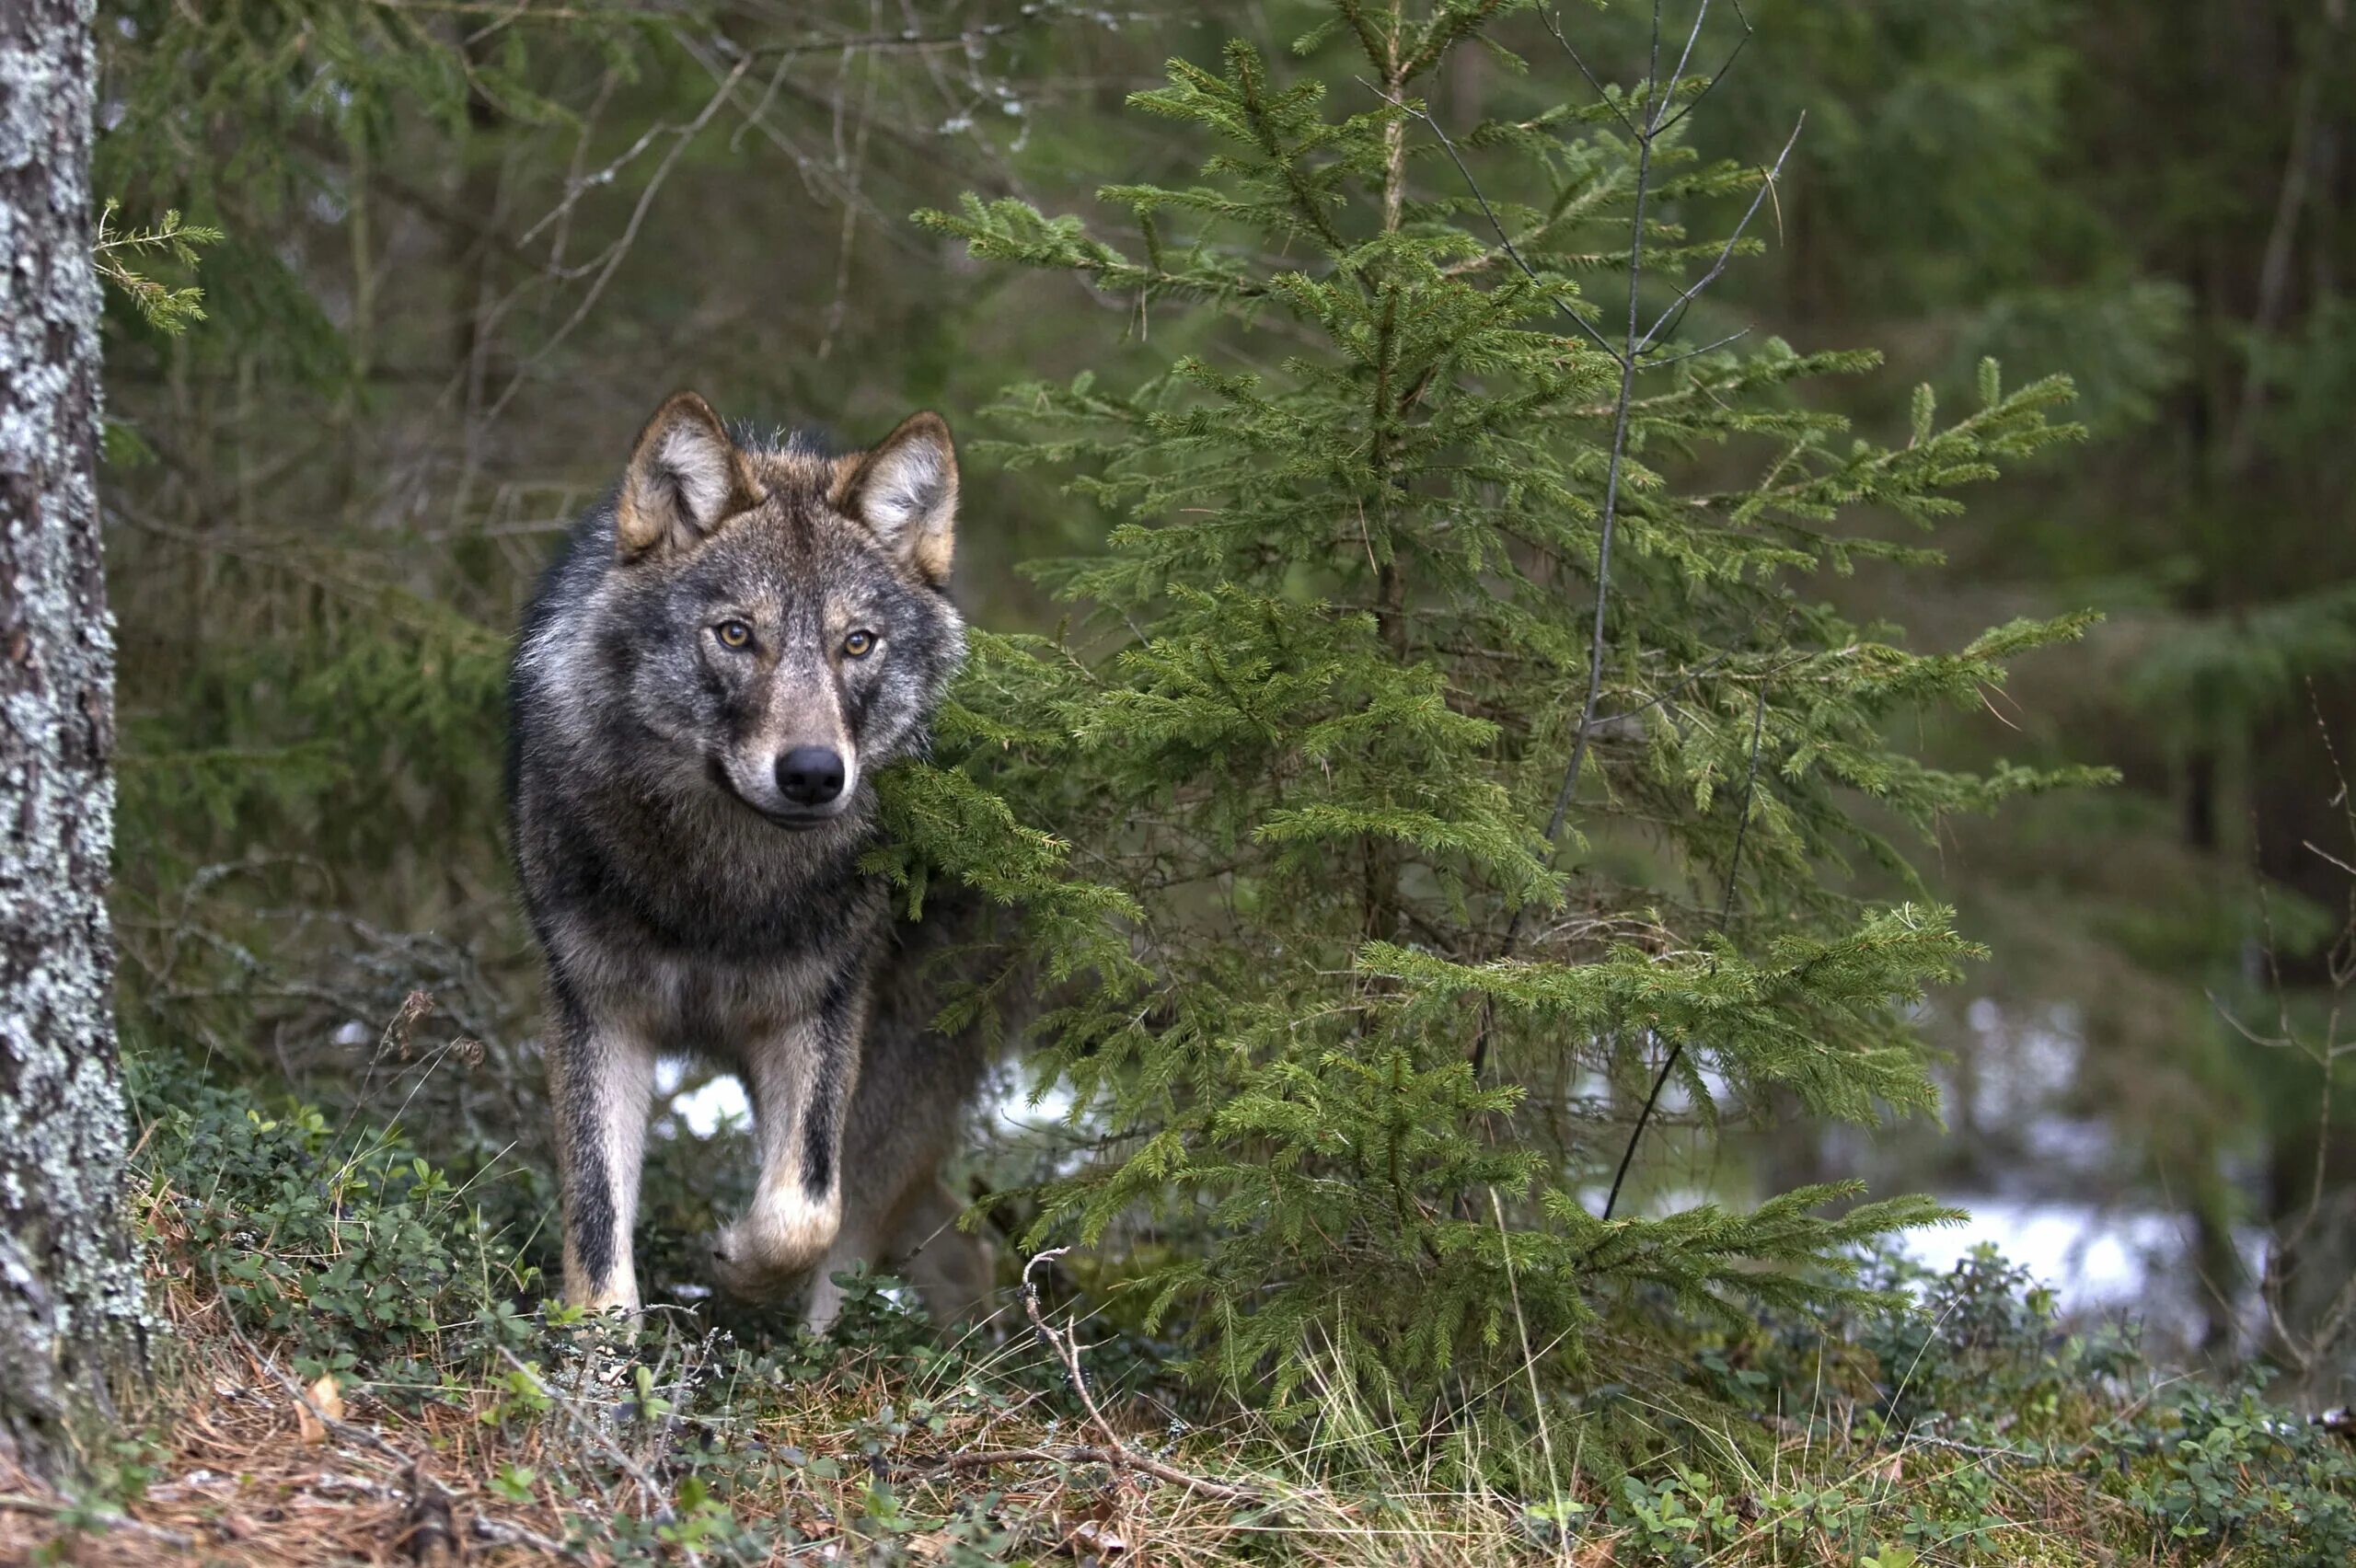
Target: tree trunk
(69, 1286)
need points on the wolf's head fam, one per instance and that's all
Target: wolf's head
(780, 617)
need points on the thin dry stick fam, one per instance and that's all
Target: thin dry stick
(1113, 1452)
(1726, 914)
(94, 1519)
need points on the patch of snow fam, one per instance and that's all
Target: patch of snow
(707, 1109)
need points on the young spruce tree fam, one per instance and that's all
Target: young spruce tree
(1458, 752)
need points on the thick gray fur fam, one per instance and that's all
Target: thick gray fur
(690, 894)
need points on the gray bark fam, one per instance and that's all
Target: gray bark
(69, 1285)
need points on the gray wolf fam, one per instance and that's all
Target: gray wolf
(710, 673)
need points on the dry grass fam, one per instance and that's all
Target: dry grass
(885, 1458)
(249, 1468)
(248, 1475)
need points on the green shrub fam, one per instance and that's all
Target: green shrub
(2223, 1472)
(340, 1241)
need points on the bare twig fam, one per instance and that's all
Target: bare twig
(2306, 1348)
(619, 251)
(1604, 96)
(1112, 1453)
(1504, 240)
(1724, 67)
(1726, 915)
(94, 1518)
(1726, 251)
(1695, 354)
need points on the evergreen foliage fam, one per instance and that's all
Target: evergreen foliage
(1452, 705)
(167, 307)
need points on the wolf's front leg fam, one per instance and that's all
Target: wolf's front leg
(800, 1080)
(603, 1077)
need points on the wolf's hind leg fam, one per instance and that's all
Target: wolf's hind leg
(913, 1233)
(602, 1080)
(913, 1087)
(872, 1199)
(953, 1271)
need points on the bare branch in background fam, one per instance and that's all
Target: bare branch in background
(2310, 1338)
(616, 253)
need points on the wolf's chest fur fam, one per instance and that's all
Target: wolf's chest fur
(705, 933)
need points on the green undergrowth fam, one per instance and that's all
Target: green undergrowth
(1974, 1427)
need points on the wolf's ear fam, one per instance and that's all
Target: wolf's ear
(905, 491)
(685, 477)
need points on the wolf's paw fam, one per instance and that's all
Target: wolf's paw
(736, 1271)
(764, 1256)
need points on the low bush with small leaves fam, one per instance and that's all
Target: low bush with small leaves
(2221, 1470)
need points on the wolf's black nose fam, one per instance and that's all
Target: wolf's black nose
(810, 776)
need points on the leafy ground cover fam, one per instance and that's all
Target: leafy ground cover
(357, 1366)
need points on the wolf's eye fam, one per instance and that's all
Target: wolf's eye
(733, 634)
(860, 644)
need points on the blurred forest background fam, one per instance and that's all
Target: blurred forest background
(465, 248)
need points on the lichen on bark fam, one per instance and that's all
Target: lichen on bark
(70, 1310)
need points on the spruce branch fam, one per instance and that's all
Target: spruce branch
(167, 309)
(1711, 83)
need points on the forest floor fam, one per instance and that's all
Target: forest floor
(351, 1366)
(878, 1456)
(242, 1466)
